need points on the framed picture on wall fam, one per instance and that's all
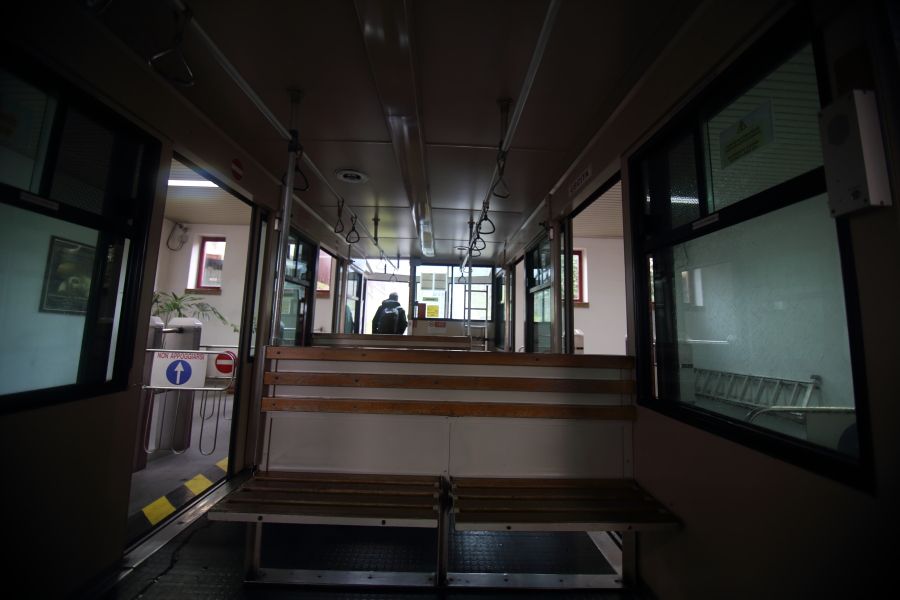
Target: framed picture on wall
(67, 277)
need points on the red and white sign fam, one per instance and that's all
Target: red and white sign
(237, 169)
(225, 362)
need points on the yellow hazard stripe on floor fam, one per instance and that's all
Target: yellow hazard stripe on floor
(158, 510)
(198, 484)
(223, 464)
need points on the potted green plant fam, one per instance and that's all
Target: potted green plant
(169, 304)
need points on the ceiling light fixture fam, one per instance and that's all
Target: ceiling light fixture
(191, 183)
(351, 176)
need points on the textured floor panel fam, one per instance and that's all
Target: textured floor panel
(338, 548)
(520, 552)
(206, 561)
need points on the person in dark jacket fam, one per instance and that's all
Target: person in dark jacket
(390, 317)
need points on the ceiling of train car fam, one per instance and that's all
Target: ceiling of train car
(465, 55)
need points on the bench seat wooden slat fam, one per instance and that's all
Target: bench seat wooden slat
(550, 504)
(343, 488)
(400, 355)
(288, 497)
(557, 504)
(499, 483)
(272, 512)
(554, 494)
(449, 382)
(311, 499)
(375, 479)
(449, 408)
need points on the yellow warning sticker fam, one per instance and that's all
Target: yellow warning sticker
(198, 484)
(223, 464)
(158, 510)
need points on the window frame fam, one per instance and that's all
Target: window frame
(785, 38)
(134, 227)
(201, 262)
(578, 298)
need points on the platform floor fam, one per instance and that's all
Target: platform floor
(207, 561)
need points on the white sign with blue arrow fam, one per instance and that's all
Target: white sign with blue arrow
(178, 370)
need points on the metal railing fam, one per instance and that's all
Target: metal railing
(212, 407)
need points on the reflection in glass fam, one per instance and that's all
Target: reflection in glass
(750, 323)
(769, 135)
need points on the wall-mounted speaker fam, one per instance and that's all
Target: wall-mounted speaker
(853, 150)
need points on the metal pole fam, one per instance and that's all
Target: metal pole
(284, 229)
(469, 311)
(556, 295)
(242, 84)
(530, 76)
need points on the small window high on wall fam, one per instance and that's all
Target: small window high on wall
(211, 263)
(745, 328)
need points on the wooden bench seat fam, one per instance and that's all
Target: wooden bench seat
(546, 504)
(329, 498)
(417, 342)
(492, 424)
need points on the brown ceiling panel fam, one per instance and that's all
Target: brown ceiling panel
(460, 177)
(454, 224)
(446, 249)
(597, 52)
(472, 53)
(314, 46)
(393, 222)
(384, 187)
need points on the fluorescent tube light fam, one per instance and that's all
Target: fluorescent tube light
(191, 183)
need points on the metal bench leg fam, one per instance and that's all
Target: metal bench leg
(252, 551)
(629, 558)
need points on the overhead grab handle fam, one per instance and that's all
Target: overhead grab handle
(187, 79)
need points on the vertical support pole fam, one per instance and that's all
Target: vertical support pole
(556, 270)
(284, 230)
(469, 304)
(341, 309)
(629, 558)
(252, 551)
(443, 533)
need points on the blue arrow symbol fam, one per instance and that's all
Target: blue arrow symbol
(178, 372)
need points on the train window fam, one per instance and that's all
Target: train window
(445, 292)
(768, 135)
(211, 263)
(26, 116)
(76, 182)
(747, 331)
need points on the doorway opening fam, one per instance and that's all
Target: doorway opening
(183, 442)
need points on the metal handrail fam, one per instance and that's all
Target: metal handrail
(800, 409)
(217, 408)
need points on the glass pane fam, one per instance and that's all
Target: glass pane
(293, 314)
(433, 290)
(298, 259)
(540, 265)
(26, 116)
(767, 136)
(353, 282)
(671, 185)
(350, 312)
(541, 320)
(83, 164)
(47, 281)
(750, 323)
(261, 256)
(482, 279)
(213, 253)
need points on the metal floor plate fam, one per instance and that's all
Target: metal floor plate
(207, 561)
